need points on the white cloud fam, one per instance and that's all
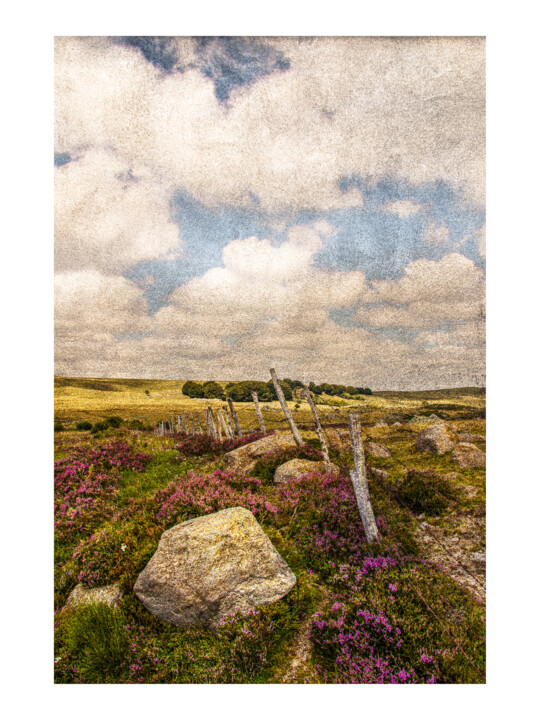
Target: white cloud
(403, 208)
(428, 294)
(437, 235)
(231, 323)
(410, 107)
(110, 215)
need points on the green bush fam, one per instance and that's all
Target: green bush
(114, 421)
(99, 427)
(426, 491)
(94, 634)
(84, 425)
(58, 427)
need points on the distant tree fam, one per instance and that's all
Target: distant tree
(212, 389)
(193, 389)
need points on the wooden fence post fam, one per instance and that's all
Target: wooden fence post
(207, 420)
(319, 430)
(227, 420)
(213, 426)
(192, 423)
(258, 411)
(199, 422)
(359, 480)
(286, 411)
(221, 420)
(235, 418)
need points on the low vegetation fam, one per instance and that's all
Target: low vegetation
(389, 612)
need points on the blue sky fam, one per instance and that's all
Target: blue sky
(209, 179)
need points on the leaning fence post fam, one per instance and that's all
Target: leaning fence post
(258, 411)
(286, 411)
(319, 430)
(199, 422)
(207, 420)
(227, 420)
(359, 480)
(235, 418)
(221, 420)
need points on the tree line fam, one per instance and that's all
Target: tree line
(240, 391)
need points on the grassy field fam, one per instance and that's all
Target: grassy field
(116, 492)
(78, 399)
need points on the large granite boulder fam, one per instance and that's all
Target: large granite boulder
(467, 455)
(377, 450)
(295, 468)
(243, 459)
(437, 439)
(213, 565)
(108, 594)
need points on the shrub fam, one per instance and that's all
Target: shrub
(426, 491)
(99, 427)
(212, 389)
(58, 427)
(114, 421)
(84, 425)
(95, 635)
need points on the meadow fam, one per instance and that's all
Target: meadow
(409, 609)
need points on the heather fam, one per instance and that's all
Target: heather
(383, 613)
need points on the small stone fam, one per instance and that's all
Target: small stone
(377, 450)
(470, 491)
(479, 559)
(108, 594)
(377, 474)
(424, 525)
(470, 438)
(422, 516)
(380, 423)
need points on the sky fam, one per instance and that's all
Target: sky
(227, 205)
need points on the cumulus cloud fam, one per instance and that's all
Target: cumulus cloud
(345, 106)
(232, 323)
(110, 215)
(428, 294)
(403, 208)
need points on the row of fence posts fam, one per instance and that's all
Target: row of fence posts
(219, 426)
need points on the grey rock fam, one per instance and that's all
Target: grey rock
(377, 450)
(468, 456)
(422, 516)
(437, 439)
(377, 474)
(380, 423)
(479, 559)
(470, 438)
(296, 467)
(243, 459)
(108, 594)
(470, 491)
(206, 568)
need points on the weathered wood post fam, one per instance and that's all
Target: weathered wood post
(235, 418)
(179, 424)
(192, 421)
(208, 426)
(212, 422)
(221, 420)
(227, 420)
(286, 411)
(359, 480)
(258, 411)
(199, 422)
(318, 429)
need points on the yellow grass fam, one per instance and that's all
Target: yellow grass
(77, 399)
